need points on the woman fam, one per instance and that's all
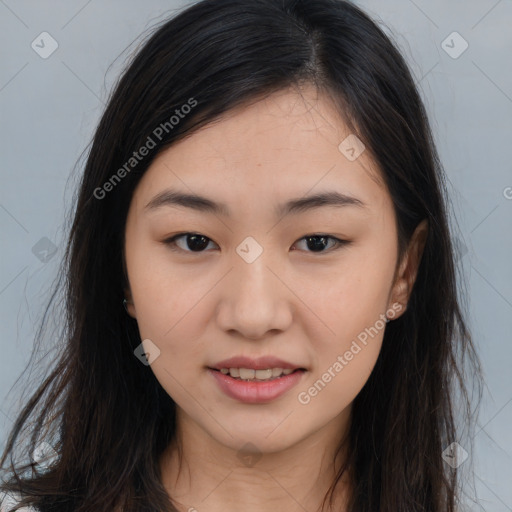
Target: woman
(262, 304)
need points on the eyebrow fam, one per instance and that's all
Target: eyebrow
(203, 204)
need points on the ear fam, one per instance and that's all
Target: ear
(408, 269)
(130, 307)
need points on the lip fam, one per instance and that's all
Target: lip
(255, 392)
(260, 363)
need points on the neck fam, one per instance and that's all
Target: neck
(201, 474)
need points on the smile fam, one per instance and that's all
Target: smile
(249, 374)
(256, 386)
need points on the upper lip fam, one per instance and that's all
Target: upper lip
(260, 363)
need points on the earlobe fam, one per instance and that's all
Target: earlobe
(409, 266)
(128, 303)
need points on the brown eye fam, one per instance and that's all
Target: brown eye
(317, 243)
(194, 242)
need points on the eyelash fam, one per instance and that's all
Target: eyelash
(171, 242)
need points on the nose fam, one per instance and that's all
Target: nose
(255, 301)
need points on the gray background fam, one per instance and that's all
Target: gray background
(50, 107)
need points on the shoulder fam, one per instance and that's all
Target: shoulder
(8, 501)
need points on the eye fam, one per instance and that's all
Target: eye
(195, 242)
(318, 242)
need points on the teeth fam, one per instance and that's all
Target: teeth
(276, 372)
(244, 373)
(250, 374)
(263, 374)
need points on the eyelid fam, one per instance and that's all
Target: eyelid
(339, 243)
(171, 242)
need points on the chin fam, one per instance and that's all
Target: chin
(263, 436)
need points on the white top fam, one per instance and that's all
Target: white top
(8, 501)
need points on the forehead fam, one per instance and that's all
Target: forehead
(285, 145)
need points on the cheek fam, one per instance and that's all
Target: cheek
(353, 297)
(344, 359)
(172, 316)
(348, 357)
(347, 343)
(164, 294)
(334, 387)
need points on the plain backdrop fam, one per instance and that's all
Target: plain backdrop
(50, 105)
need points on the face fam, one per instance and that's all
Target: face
(253, 288)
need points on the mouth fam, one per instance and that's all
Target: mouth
(255, 380)
(252, 375)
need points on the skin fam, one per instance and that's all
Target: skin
(303, 306)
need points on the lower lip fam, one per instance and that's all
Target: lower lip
(256, 392)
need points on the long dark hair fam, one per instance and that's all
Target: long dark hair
(104, 413)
